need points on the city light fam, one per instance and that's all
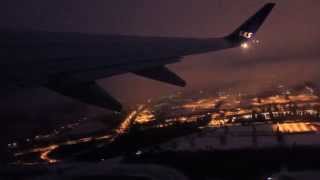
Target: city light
(245, 45)
(286, 114)
(298, 127)
(144, 116)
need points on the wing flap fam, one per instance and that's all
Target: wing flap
(162, 74)
(90, 93)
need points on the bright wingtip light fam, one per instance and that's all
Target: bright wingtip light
(244, 45)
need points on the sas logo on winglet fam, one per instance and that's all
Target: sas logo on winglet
(247, 35)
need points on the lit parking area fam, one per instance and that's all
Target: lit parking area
(296, 127)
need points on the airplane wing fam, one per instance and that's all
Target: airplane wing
(90, 93)
(69, 63)
(163, 74)
(249, 28)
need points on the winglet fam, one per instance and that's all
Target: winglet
(249, 28)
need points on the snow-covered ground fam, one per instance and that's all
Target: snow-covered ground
(239, 137)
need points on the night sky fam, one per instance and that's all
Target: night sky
(288, 52)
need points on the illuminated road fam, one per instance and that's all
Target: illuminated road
(44, 155)
(45, 151)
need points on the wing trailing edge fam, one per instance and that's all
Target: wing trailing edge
(90, 93)
(163, 74)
